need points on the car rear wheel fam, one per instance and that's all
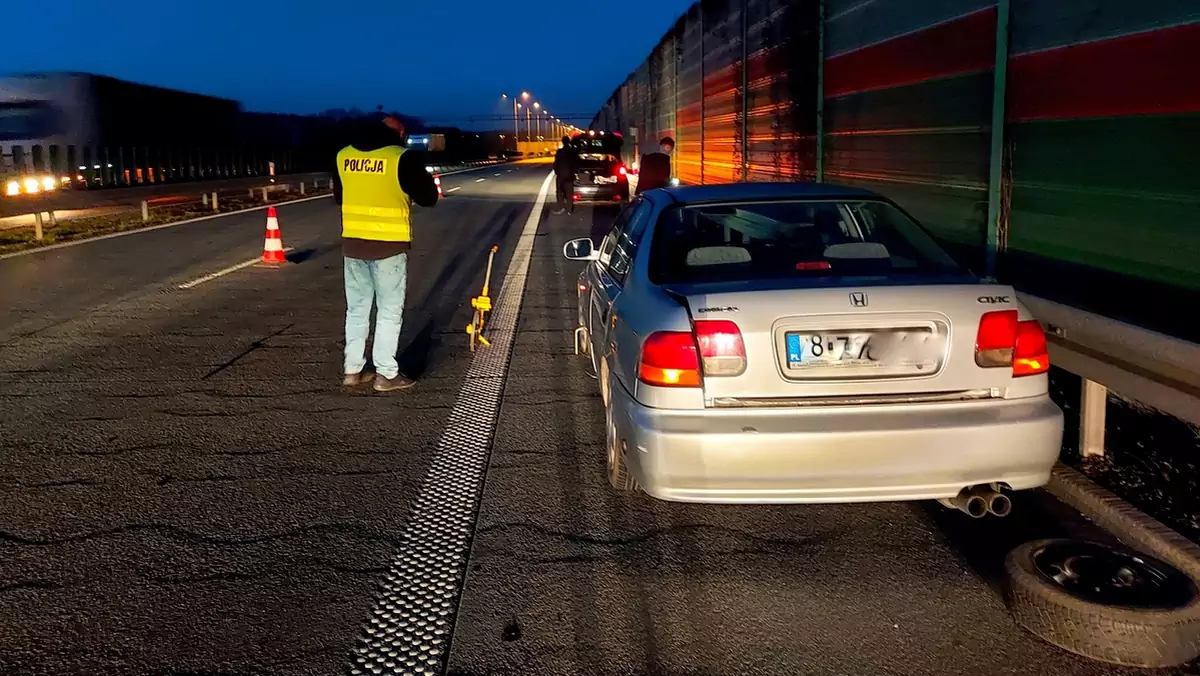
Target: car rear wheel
(1106, 603)
(618, 474)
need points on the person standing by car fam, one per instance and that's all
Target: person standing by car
(655, 168)
(376, 183)
(565, 164)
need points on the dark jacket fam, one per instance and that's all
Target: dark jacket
(654, 172)
(414, 180)
(566, 162)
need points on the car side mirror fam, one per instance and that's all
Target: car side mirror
(581, 249)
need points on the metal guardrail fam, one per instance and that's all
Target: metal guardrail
(1146, 366)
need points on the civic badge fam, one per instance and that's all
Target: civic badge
(858, 299)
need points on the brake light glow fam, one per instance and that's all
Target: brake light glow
(995, 338)
(669, 360)
(1005, 341)
(623, 171)
(722, 352)
(805, 266)
(1031, 356)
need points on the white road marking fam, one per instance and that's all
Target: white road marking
(457, 187)
(412, 615)
(496, 174)
(222, 273)
(480, 180)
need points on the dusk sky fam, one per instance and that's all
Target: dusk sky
(442, 59)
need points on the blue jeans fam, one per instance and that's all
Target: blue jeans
(384, 281)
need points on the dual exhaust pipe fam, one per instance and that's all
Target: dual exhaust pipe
(979, 501)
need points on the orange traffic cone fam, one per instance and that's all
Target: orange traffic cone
(437, 180)
(273, 247)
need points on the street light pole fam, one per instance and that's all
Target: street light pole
(525, 98)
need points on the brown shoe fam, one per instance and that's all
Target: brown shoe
(392, 384)
(357, 379)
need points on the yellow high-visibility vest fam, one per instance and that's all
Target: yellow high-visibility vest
(373, 205)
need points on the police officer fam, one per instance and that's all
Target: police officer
(376, 183)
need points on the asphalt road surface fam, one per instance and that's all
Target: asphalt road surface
(184, 488)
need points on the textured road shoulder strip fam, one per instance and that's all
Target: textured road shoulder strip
(412, 617)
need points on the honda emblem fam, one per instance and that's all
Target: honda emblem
(858, 299)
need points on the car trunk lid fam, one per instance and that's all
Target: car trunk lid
(853, 344)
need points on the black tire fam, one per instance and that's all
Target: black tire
(1152, 635)
(618, 474)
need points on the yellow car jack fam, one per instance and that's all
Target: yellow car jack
(483, 305)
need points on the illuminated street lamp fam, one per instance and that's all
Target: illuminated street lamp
(516, 124)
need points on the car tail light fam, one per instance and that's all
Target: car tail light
(622, 171)
(722, 351)
(669, 360)
(1003, 340)
(1030, 353)
(805, 266)
(995, 339)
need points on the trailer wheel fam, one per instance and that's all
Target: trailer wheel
(1110, 604)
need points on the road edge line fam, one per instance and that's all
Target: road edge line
(1130, 524)
(413, 611)
(151, 228)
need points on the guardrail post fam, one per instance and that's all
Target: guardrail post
(1093, 405)
(745, 91)
(251, 192)
(53, 219)
(37, 226)
(145, 211)
(301, 188)
(204, 199)
(214, 201)
(820, 168)
(996, 164)
(264, 194)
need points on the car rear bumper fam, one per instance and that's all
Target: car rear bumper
(844, 454)
(610, 192)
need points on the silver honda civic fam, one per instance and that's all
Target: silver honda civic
(804, 343)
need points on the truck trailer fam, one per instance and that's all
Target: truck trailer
(80, 130)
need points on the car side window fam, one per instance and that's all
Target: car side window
(610, 240)
(628, 238)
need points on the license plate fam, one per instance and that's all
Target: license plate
(815, 350)
(606, 179)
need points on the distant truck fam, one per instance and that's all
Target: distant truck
(432, 143)
(77, 130)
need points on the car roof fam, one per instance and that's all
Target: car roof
(737, 192)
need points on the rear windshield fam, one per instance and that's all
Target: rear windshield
(594, 160)
(789, 240)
